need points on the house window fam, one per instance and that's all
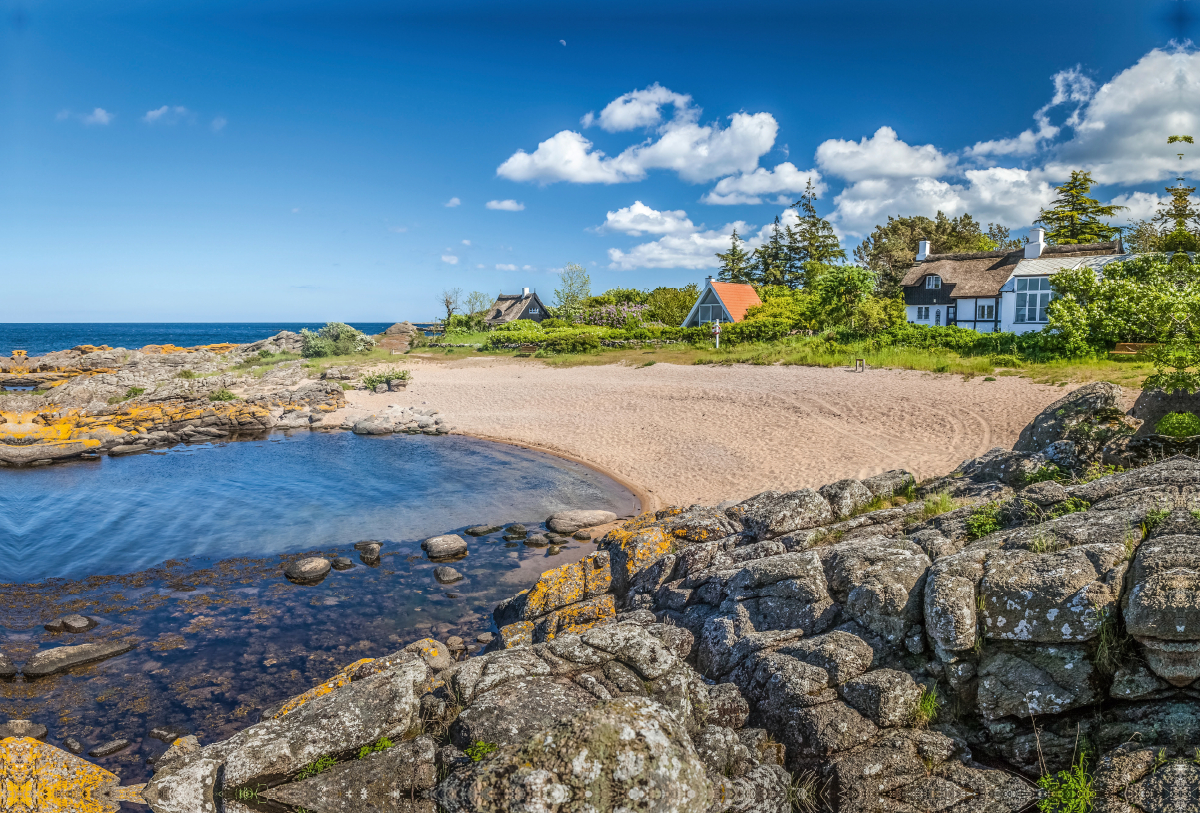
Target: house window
(711, 313)
(937, 317)
(1033, 297)
(987, 312)
(534, 311)
(933, 282)
(922, 313)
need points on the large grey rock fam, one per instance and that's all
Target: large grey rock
(568, 522)
(627, 754)
(845, 497)
(950, 608)
(879, 582)
(382, 705)
(889, 483)
(634, 646)
(7, 668)
(1162, 607)
(445, 546)
(1055, 421)
(772, 514)
(378, 782)
(375, 424)
(1002, 466)
(1040, 681)
(191, 788)
(887, 697)
(511, 714)
(59, 659)
(308, 570)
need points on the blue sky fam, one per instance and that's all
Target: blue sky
(266, 161)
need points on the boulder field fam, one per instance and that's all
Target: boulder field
(873, 645)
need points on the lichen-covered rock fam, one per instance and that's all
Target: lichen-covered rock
(887, 697)
(376, 782)
(568, 522)
(1055, 422)
(557, 588)
(628, 754)
(1039, 681)
(845, 497)
(190, 789)
(511, 713)
(772, 514)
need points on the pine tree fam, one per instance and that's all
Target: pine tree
(735, 263)
(773, 263)
(1074, 218)
(1179, 220)
(812, 239)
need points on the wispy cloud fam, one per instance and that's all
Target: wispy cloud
(450, 204)
(398, 229)
(466, 242)
(167, 115)
(505, 267)
(450, 259)
(99, 116)
(218, 124)
(505, 205)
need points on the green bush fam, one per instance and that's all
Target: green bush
(1179, 425)
(554, 324)
(985, 520)
(572, 343)
(756, 330)
(384, 376)
(335, 339)
(134, 392)
(222, 395)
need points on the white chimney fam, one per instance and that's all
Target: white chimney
(1037, 242)
(922, 250)
(524, 292)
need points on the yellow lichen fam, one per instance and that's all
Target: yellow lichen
(336, 682)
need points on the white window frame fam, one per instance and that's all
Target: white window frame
(1033, 297)
(933, 282)
(985, 313)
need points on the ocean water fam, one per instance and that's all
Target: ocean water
(278, 495)
(39, 338)
(183, 552)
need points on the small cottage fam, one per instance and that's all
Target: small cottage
(722, 302)
(511, 307)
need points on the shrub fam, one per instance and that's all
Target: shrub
(985, 520)
(187, 374)
(335, 339)
(265, 354)
(572, 343)
(756, 330)
(479, 749)
(222, 395)
(1179, 425)
(554, 324)
(384, 376)
(1068, 791)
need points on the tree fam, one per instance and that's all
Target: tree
(773, 263)
(890, 250)
(451, 301)
(812, 239)
(575, 286)
(1179, 220)
(842, 290)
(735, 263)
(671, 305)
(1074, 217)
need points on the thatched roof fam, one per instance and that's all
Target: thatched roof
(509, 307)
(983, 273)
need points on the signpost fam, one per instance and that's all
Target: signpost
(716, 332)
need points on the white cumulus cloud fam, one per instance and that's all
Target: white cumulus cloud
(639, 108)
(450, 259)
(466, 242)
(1138, 206)
(567, 156)
(98, 116)
(167, 115)
(784, 183)
(505, 205)
(640, 218)
(883, 155)
(450, 204)
(505, 267)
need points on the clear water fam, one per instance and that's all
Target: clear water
(282, 494)
(38, 338)
(223, 635)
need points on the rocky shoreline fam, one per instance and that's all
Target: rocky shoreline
(91, 401)
(1022, 631)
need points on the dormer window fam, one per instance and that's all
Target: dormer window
(933, 282)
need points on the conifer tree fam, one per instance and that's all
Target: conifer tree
(1179, 220)
(773, 263)
(812, 239)
(1075, 218)
(735, 263)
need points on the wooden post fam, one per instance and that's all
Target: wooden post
(860, 365)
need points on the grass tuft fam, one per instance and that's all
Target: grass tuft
(315, 767)
(926, 710)
(937, 504)
(1068, 791)
(983, 521)
(1114, 646)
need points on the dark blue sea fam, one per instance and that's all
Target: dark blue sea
(38, 338)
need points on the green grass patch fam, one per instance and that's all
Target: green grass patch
(479, 749)
(222, 395)
(927, 708)
(983, 521)
(187, 374)
(317, 766)
(1068, 791)
(1114, 646)
(382, 744)
(937, 504)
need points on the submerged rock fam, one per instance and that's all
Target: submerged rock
(568, 522)
(71, 623)
(310, 570)
(444, 547)
(446, 575)
(59, 659)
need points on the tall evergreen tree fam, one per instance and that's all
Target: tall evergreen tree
(811, 240)
(1178, 220)
(773, 262)
(736, 264)
(1075, 218)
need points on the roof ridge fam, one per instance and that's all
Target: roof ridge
(978, 255)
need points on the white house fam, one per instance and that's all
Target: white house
(722, 302)
(995, 290)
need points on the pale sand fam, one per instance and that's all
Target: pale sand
(688, 434)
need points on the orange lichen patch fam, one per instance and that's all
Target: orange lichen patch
(575, 618)
(91, 348)
(223, 347)
(631, 552)
(164, 349)
(426, 648)
(568, 584)
(39, 778)
(336, 682)
(519, 633)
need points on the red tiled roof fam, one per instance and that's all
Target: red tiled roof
(737, 298)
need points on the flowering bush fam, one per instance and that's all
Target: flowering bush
(620, 315)
(335, 339)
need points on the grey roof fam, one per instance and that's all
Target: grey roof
(984, 273)
(508, 307)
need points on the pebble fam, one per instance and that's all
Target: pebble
(553, 550)
(583, 534)
(71, 623)
(309, 570)
(342, 563)
(73, 745)
(446, 575)
(481, 530)
(537, 541)
(168, 734)
(23, 728)
(485, 638)
(109, 748)
(455, 644)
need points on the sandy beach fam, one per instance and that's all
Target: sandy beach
(687, 434)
